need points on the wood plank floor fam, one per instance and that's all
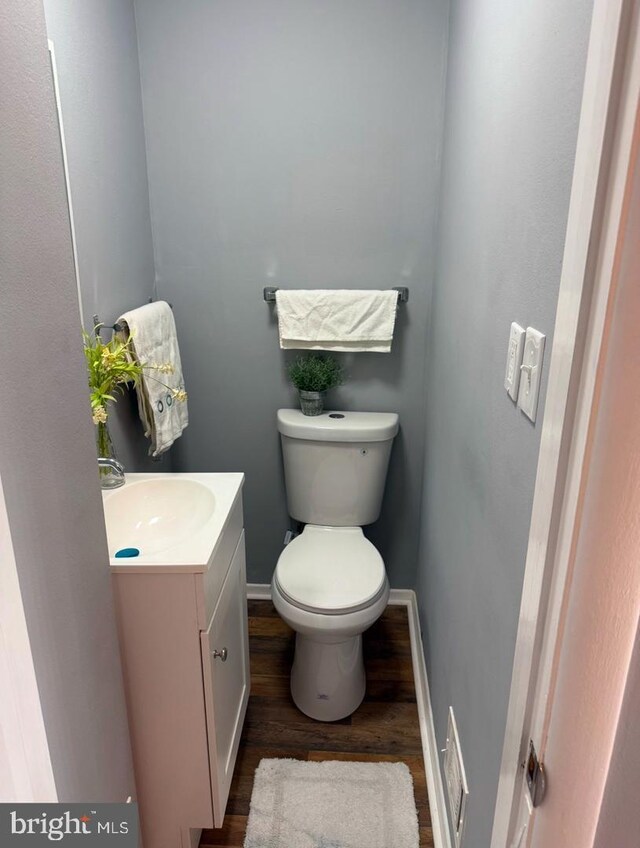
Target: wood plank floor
(384, 728)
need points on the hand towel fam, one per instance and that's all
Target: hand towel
(340, 320)
(154, 343)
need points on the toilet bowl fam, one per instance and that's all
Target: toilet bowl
(329, 586)
(330, 583)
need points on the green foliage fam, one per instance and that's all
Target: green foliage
(110, 366)
(314, 373)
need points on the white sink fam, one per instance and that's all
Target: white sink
(169, 519)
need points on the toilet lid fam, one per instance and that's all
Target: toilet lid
(331, 570)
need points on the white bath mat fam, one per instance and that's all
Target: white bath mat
(297, 804)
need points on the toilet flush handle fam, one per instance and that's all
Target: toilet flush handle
(220, 655)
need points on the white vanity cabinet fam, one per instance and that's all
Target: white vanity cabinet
(225, 671)
(185, 656)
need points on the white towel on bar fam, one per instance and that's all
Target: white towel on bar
(155, 345)
(338, 319)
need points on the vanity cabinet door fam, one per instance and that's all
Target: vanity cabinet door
(225, 665)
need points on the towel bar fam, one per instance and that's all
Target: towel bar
(98, 325)
(269, 293)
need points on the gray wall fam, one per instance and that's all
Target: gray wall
(47, 457)
(99, 80)
(297, 144)
(515, 75)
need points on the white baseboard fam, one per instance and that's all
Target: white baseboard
(402, 597)
(258, 591)
(435, 788)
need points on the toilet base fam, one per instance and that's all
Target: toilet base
(327, 679)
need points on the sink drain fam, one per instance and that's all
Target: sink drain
(124, 553)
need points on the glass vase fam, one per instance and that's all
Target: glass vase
(109, 479)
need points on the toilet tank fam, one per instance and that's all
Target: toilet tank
(335, 465)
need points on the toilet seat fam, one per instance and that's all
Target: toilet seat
(331, 570)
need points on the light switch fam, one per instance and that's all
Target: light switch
(531, 372)
(514, 360)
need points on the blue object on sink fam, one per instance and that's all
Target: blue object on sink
(127, 552)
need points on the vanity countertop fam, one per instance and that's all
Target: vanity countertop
(176, 521)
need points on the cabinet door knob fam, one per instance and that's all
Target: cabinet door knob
(222, 655)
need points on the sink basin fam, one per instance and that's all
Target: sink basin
(171, 519)
(153, 515)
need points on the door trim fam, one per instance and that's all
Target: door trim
(594, 212)
(65, 167)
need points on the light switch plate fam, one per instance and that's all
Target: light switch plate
(514, 360)
(531, 372)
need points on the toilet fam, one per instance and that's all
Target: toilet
(330, 582)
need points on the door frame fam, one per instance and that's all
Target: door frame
(65, 167)
(604, 146)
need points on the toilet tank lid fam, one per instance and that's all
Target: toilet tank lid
(336, 426)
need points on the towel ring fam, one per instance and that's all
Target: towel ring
(116, 327)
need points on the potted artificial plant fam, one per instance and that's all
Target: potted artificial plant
(313, 375)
